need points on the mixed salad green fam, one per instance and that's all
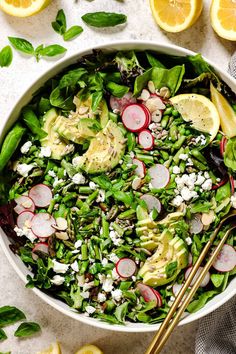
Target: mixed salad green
(108, 195)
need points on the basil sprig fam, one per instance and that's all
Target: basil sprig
(104, 19)
(27, 329)
(60, 26)
(6, 56)
(26, 47)
(10, 315)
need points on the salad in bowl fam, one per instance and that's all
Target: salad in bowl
(113, 179)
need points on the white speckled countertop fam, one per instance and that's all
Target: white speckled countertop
(13, 82)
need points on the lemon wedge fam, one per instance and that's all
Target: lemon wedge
(223, 18)
(176, 15)
(200, 111)
(89, 349)
(226, 113)
(53, 349)
(23, 8)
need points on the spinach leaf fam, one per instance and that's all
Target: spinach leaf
(197, 304)
(103, 182)
(217, 279)
(10, 315)
(121, 311)
(3, 335)
(201, 66)
(44, 105)
(116, 89)
(22, 45)
(223, 192)
(230, 154)
(72, 32)
(6, 56)
(171, 78)
(107, 318)
(58, 99)
(96, 99)
(32, 122)
(171, 269)
(200, 207)
(104, 19)
(71, 78)
(27, 329)
(52, 50)
(59, 25)
(154, 61)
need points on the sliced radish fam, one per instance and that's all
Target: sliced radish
(159, 298)
(24, 203)
(221, 183)
(126, 267)
(176, 288)
(196, 225)
(141, 168)
(41, 195)
(231, 180)
(160, 176)
(146, 139)
(226, 260)
(42, 225)
(136, 117)
(205, 280)
(24, 219)
(190, 259)
(120, 103)
(41, 247)
(149, 294)
(223, 143)
(152, 202)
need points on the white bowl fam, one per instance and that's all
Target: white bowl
(15, 261)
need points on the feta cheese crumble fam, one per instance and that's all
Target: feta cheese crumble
(101, 297)
(57, 280)
(51, 173)
(176, 170)
(78, 178)
(45, 151)
(115, 238)
(23, 169)
(75, 266)
(78, 244)
(188, 241)
(116, 295)
(233, 200)
(90, 309)
(107, 285)
(59, 267)
(25, 148)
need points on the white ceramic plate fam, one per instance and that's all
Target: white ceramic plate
(15, 261)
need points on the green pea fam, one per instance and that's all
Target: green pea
(168, 110)
(187, 132)
(48, 178)
(175, 113)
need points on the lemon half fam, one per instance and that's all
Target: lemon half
(223, 18)
(89, 349)
(53, 349)
(176, 15)
(23, 8)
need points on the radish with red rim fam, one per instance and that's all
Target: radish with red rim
(24, 203)
(221, 183)
(42, 225)
(146, 139)
(151, 202)
(226, 260)
(190, 259)
(41, 247)
(149, 294)
(41, 195)
(119, 104)
(24, 219)
(135, 117)
(126, 267)
(160, 176)
(231, 180)
(141, 168)
(196, 225)
(196, 276)
(223, 143)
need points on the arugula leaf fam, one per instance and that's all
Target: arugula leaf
(200, 207)
(104, 19)
(59, 25)
(52, 50)
(103, 182)
(96, 99)
(197, 304)
(3, 335)
(223, 192)
(217, 279)
(6, 56)
(27, 329)
(72, 32)
(116, 89)
(10, 315)
(22, 45)
(121, 311)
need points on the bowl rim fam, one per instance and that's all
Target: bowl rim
(62, 64)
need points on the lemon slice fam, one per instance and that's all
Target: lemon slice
(200, 111)
(176, 15)
(53, 349)
(226, 113)
(89, 349)
(223, 18)
(23, 8)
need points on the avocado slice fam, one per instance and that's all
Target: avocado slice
(105, 150)
(102, 110)
(52, 140)
(171, 253)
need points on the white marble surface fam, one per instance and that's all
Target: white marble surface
(13, 82)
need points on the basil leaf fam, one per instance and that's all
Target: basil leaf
(59, 25)
(6, 56)
(38, 51)
(116, 89)
(52, 50)
(22, 45)
(72, 32)
(72, 78)
(104, 19)
(3, 335)
(96, 99)
(58, 100)
(10, 315)
(27, 329)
